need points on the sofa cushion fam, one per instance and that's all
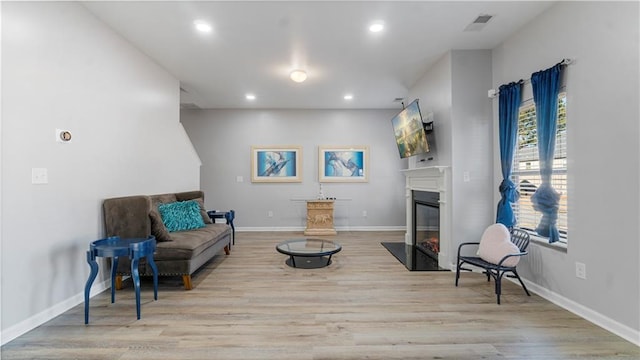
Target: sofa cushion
(203, 211)
(198, 196)
(181, 215)
(127, 216)
(157, 226)
(189, 244)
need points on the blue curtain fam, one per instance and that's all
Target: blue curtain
(546, 85)
(508, 108)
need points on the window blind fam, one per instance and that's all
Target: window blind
(526, 168)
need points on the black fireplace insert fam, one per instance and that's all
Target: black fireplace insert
(426, 222)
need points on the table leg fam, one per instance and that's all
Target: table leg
(230, 215)
(114, 269)
(135, 275)
(293, 261)
(155, 275)
(87, 288)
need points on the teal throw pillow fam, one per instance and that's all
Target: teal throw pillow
(181, 215)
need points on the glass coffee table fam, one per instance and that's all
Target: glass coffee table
(308, 253)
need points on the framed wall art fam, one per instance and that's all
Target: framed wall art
(343, 164)
(276, 163)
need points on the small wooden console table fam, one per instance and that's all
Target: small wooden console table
(320, 218)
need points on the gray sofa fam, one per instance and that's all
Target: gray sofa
(178, 253)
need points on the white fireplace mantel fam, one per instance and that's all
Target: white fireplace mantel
(435, 179)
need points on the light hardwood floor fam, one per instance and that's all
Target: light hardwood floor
(366, 305)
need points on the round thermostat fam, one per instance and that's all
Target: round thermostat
(65, 136)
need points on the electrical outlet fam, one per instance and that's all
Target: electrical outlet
(581, 270)
(466, 177)
(239, 178)
(364, 213)
(270, 213)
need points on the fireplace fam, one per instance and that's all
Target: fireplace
(432, 187)
(426, 222)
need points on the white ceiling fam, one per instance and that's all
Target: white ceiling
(254, 45)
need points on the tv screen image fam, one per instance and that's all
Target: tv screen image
(409, 131)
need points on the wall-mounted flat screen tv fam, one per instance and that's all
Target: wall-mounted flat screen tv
(409, 131)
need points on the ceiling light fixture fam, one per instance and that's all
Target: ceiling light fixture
(202, 26)
(298, 75)
(348, 97)
(250, 97)
(376, 27)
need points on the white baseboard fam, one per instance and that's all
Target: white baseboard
(33, 322)
(584, 312)
(338, 228)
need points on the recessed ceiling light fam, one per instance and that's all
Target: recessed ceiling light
(376, 27)
(250, 97)
(202, 26)
(348, 97)
(298, 75)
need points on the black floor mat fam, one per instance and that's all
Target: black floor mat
(417, 260)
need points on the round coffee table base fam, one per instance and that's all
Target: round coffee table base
(304, 262)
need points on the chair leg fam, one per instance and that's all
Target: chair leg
(498, 280)
(458, 272)
(521, 283)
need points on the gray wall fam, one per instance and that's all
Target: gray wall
(454, 89)
(61, 68)
(472, 144)
(223, 140)
(603, 147)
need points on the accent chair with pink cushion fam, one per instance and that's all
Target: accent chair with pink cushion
(497, 253)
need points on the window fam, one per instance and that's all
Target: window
(526, 169)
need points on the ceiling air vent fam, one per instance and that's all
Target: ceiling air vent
(479, 23)
(482, 19)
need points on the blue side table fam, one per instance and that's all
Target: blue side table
(227, 215)
(115, 247)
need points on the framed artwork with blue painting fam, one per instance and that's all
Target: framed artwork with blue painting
(276, 163)
(343, 164)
